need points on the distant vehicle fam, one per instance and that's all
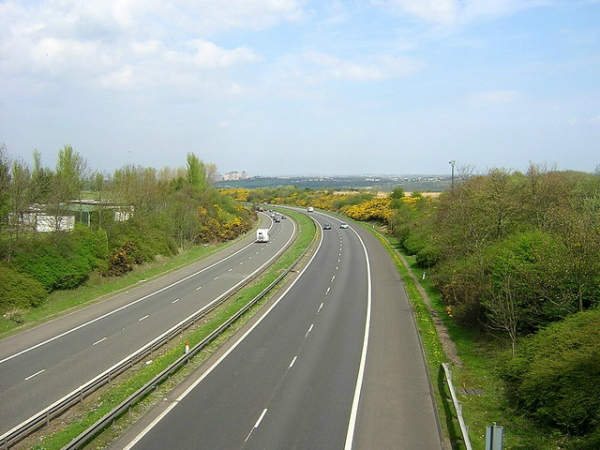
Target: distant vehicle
(310, 209)
(262, 235)
(276, 219)
(343, 225)
(327, 226)
(260, 209)
(283, 217)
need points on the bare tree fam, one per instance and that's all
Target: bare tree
(503, 311)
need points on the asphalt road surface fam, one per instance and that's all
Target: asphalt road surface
(44, 364)
(315, 371)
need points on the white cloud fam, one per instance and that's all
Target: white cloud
(378, 68)
(595, 120)
(493, 97)
(455, 12)
(119, 79)
(129, 43)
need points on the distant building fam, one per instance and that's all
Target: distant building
(235, 176)
(37, 219)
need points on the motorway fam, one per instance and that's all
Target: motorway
(334, 362)
(41, 365)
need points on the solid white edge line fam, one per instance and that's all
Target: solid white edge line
(143, 318)
(149, 344)
(363, 357)
(58, 336)
(224, 355)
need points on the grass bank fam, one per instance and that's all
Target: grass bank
(97, 287)
(100, 405)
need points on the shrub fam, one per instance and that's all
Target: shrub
(428, 256)
(555, 376)
(61, 260)
(18, 290)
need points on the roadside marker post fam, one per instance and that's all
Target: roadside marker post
(187, 347)
(494, 435)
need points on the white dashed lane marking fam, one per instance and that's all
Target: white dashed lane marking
(99, 340)
(34, 375)
(309, 330)
(143, 318)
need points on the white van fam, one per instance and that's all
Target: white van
(262, 235)
(310, 209)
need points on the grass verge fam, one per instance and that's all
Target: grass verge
(98, 287)
(479, 387)
(143, 373)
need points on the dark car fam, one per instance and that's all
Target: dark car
(327, 226)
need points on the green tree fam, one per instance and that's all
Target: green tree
(196, 172)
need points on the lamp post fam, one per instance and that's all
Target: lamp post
(452, 163)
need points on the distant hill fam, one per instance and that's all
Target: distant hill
(429, 183)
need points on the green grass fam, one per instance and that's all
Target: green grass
(111, 398)
(98, 287)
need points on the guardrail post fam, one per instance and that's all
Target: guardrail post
(47, 417)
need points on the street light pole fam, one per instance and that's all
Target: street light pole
(452, 163)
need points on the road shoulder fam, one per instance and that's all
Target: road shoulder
(396, 408)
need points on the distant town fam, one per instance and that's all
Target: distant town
(429, 183)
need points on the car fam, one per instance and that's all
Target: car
(276, 219)
(327, 226)
(343, 225)
(283, 217)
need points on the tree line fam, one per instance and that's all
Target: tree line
(134, 214)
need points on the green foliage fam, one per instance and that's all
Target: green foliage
(18, 290)
(397, 193)
(555, 376)
(196, 172)
(61, 260)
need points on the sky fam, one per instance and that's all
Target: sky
(292, 87)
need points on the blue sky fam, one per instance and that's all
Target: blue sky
(304, 87)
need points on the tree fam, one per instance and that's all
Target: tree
(4, 183)
(67, 181)
(196, 172)
(397, 193)
(20, 195)
(41, 180)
